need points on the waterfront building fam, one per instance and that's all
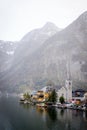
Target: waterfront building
(85, 96)
(66, 91)
(79, 96)
(42, 95)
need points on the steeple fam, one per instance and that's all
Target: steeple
(68, 70)
(68, 83)
(68, 80)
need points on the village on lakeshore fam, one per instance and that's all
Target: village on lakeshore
(63, 97)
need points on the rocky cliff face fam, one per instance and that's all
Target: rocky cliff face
(7, 49)
(45, 55)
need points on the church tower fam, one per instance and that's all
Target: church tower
(68, 84)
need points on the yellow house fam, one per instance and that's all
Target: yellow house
(41, 95)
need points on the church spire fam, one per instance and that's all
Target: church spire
(68, 70)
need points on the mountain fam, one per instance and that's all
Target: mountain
(7, 49)
(34, 40)
(27, 45)
(41, 34)
(41, 57)
(66, 48)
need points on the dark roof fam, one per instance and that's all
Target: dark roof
(80, 90)
(57, 87)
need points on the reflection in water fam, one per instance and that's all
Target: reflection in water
(41, 111)
(62, 119)
(52, 114)
(26, 106)
(62, 112)
(86, 115)
(76, 113)
(51, 118)
(16, 116)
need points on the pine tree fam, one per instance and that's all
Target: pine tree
(61, 99)
(53, 96)
(26, 96)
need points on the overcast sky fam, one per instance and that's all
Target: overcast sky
(17, 17)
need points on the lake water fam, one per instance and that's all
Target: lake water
(16, 116)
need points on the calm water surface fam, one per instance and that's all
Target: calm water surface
(16, 116)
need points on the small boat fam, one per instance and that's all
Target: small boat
(62, 106)
(41, 105)
(22, 100)
(26, 102)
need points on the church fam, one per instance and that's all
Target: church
(66, 91)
